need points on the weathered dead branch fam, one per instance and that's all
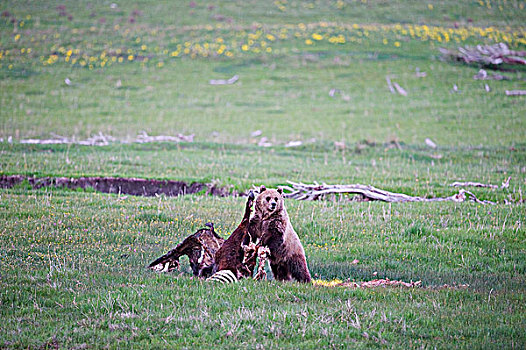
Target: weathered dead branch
(390, 85)
(97, 140)
(301, 191)
(483, 75)
(472, 184)
(486, 55)
(505, 184)
(394, 87)
(103, 140)
(515, 92)
(224, 82)
(430, 143)
(145, 138)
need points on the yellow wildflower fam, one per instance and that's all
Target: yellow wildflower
(324, 283)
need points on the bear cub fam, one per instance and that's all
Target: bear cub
(271, 224)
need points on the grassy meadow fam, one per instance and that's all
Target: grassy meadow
(73, 262)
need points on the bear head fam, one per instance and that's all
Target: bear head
(269, 201)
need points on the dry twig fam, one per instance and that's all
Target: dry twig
(224, 82)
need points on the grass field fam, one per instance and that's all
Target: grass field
(73, 262)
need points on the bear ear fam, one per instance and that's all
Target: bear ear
(262, 189)
(280, 190)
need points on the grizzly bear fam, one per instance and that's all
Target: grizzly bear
(272, 226)
(231, 255)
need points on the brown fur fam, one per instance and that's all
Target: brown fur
(272, 225)
(201, 248)
(231, 254)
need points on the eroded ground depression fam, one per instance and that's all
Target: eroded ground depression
(130, 186)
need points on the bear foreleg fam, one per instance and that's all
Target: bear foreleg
(299, 270)
(281, 272)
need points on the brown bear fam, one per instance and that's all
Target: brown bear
(272, 226)
(201, 248)
(231, 255)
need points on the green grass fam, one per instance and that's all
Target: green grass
(287, 104)
(74, 270)
(73, 262)
(411, 169)
(284, 92)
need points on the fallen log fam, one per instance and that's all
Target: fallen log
(505, 184)
(103, 140)
(515, 92)
(301, 191)
(486, 55)
(471, 184)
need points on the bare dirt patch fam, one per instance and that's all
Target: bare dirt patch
(130, 186)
